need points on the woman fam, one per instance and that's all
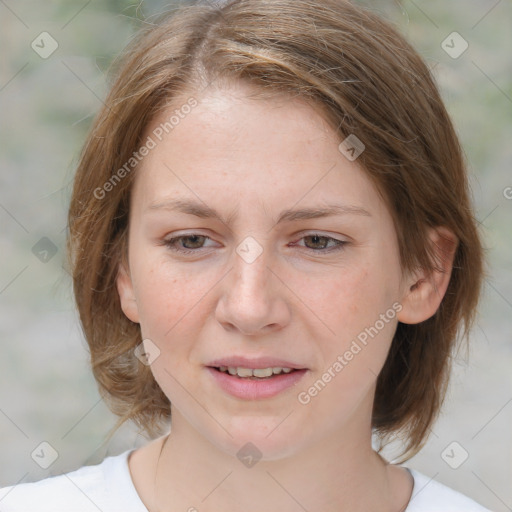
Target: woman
(273, 253)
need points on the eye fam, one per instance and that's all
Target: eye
(321, 242)
(192, 243)
(195, 240)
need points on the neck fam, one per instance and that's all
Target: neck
(336, 474)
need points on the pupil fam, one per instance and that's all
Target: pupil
(193, 237)
(316, 239)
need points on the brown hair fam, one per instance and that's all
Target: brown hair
(368, 81)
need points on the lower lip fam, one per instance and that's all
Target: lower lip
(252, 389)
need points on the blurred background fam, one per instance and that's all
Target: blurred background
(53, 78)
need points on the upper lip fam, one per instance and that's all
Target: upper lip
(259, 362)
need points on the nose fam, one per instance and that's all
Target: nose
(253, 299)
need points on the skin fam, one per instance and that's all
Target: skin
(254, 158)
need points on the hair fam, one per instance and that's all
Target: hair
(368, 81)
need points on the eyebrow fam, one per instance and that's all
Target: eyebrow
(192, 207)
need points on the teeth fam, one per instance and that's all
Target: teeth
(260, 372)
(243, 372)
(257, 372)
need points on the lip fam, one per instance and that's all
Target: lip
(253, 364)
(252, 389)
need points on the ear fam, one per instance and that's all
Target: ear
(126, 294)
(423, 293)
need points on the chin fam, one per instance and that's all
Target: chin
(260, 438)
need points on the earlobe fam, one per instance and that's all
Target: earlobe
(126, 294)
(423, 293)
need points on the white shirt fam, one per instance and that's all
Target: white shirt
(108, 487)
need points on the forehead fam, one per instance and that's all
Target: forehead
(236, 117)
(234, 146)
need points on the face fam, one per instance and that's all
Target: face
(319, 293)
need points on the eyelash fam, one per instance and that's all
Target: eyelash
(171, 243)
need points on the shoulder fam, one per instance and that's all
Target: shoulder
(429, 495)
(106, 486)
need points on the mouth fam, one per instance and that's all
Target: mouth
(255, 383)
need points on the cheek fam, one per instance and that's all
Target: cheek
(168, 299)
(171, 314)
(350, 304)
(341, 298)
